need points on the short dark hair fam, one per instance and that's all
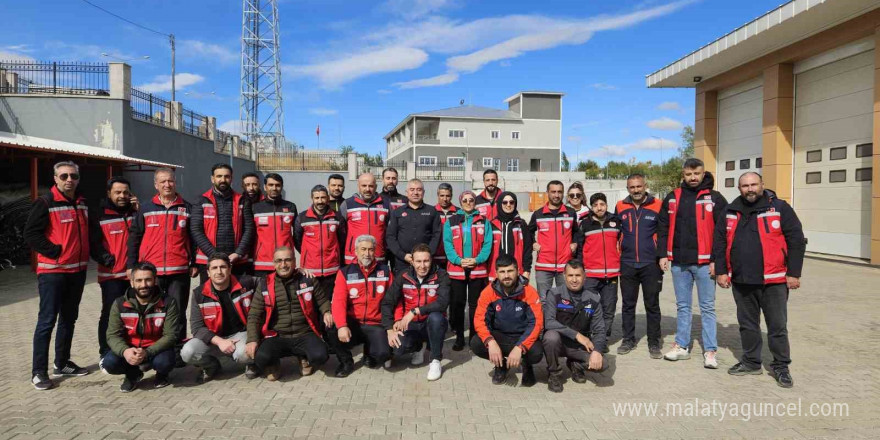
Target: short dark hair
(220, 165)
(392, 169)
(336, 177)
(635, 176)
(219, 256)
(250, 174)
(421, 247)
(144, 265)
(691, 163)
(555, 182)
(506, 260)
(274, 176)
(598, 196)
(319, 188)
(117, 179)
(490, 171)
(445, 186)
(574, 263)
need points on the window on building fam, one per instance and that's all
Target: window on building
(814, 156)
(427, 161)
(497, 164)
(495, 134)
(814, 177)
(455, 161)
(864, 174)
(512, 164)
(837, 153)
(514, 135)
(837, 176)
(730, 165)
(728, 182)
(487, 162)
(864, 150)
(759, 162)
(456, 133)
(745, 164)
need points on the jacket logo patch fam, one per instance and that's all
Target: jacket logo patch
(264, 221)
(709, 207)
(356, 215)
(286, 219)
(159, 322)
(519, 308)
(647, 217)
(432, 292)
(302, 285)
(285, 209)
(380, 288)
(565, 302)
(182, 223)
(308, 296)
(624, 217)
(381, 217)
(497, 307)
(566, 225)
(380, 273)
(332, 228)
(775, 224)
(480, 231)
(403, 215)
(246, 302)
(353, 293)
(352, 277)
(612, 224)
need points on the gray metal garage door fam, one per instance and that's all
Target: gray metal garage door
(740, 109)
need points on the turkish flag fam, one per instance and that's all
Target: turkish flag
(318, 130)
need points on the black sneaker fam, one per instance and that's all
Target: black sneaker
(578, 372)
(161, 381)
(459, 343)
(210, 370)
(554, 383)
(654, 351)
(499, 376)
(344, 369)
(783, 378)
(251, 372)
(70, 369)
(42, 382)
(130, 383)
(528, 376)
(370, 362)
(626, 346)
(741, 370)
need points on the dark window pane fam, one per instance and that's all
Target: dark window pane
(837, 153)
(864, 150)
(814, 156)
(729, 165)
(744, 164)
(863, 174)
(814, 177)
(759, 162)
(837, 176)
(728, 182)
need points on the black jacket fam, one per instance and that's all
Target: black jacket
(409, 227)
(684, 245)
(746, 253)
(394, 296)
(225, 234)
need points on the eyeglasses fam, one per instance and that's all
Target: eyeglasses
(467, 200)
(64, 176)
(575, 196)
(508, 202)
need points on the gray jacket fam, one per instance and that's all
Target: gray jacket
(572, 313)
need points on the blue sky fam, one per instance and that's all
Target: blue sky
(357, 68)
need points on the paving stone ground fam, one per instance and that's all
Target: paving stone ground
(833, 324)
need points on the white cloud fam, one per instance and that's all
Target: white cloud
(434, 81)
(12, 55)
(208, 51)
(665, 123)
(233, 126)
(603, 86)
(653, 144)
(610, 151)
(607, 152)
(383, 91)
(320, 111)
(162, 83)
(669, 105)
(412, 9)
(334, 73)
(518, 46)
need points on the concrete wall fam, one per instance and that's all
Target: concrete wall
(542, 107)
(92, 121)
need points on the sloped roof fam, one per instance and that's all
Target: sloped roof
(37, 143)
(471, 111)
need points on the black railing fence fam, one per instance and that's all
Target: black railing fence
(302, 160)
(56, 78)
(149, 107)
(441, 172)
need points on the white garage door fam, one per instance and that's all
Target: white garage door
(740, 109)
(832, 164)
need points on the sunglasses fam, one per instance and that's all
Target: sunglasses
(467, 200)
(64, 176)
(575, 196)
(508, 202)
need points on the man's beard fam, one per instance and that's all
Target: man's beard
(491, 189)
(390, 188)
(365, 262)
(222, 186)
(142, 295)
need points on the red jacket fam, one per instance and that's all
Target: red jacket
(209, 222)
(112, 226)
(488, 207)
(440, 255)
(555, 232)
(478, 230)
(137, 335)
(319, 241)
(705, 224)
(518, 244)
(365, 218)
(209, 304)
(273, 221)
(418, 295)
(161, 236)
(358, 293)
(303, 294)
(68, 227)
(600, 248)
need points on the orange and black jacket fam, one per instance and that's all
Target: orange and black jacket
(639, 229)
(516, 315)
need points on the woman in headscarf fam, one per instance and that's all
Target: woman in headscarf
(467, 239)
(511, 236)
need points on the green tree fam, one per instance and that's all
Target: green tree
(345, 149)
(687, 142)
(565, 164)
(591, 169)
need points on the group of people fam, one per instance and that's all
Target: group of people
(391, 273)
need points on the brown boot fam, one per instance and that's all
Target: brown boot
(273, 372)
(305, 367)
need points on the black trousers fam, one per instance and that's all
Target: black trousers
(177, 287)
(110, 290)
(507, 342)
(607, 288)
(650, 278)
(60, 294)
(461, 292)
(374, 338)
(556, 345)
(751, 299)
(309, 346)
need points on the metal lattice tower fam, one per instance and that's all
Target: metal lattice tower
(261, 112)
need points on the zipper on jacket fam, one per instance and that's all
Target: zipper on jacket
(321, 241)
(638, 216)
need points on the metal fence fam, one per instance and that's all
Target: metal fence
(440, 172)
(400, 166)
(74, 78)
(302, 161)
(195, 124)
(150, 108)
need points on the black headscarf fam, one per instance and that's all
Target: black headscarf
(503, 216)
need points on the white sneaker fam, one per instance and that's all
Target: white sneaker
(418, 358)
(677, 353)
(434, 370)
(710, 360)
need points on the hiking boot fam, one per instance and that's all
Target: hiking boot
(161, 381)
(783, 378)
(528, 376)
(305, 367)
(741, 369)
(42, 382)
(459, 342)
(578, 372)
(554, 383)
(250, 371)
(130, 382)
(654, 351)
(69, 369)
(273, 372)
(626, 346)
(210, 370)
(344, 369)
(370, 362)
(499, 376)
(678, 353)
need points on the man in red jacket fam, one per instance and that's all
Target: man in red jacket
(366, 213)
(486, 201)
(446, 210)
(274, 218)
(357, 312)
(319, 233)
(57, 229)
(556, 234)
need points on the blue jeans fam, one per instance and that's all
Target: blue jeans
(683, 278)
(162, 362)
(432, 330)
